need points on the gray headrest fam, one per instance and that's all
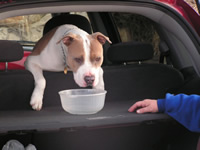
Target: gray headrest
(10, 51)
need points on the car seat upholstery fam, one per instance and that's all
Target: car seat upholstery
(129, 52)
(138, 80)
(15, 85)
(77, 20)
(192, 82)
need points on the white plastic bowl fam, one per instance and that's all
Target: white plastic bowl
(82, 101)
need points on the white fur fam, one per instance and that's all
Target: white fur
(51, 59)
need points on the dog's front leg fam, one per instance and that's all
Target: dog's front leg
(40, 84)
(100, 84)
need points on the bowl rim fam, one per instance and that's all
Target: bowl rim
(96, 94)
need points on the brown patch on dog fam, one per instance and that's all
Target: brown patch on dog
(76, 53)
(42, 43)
(96, 53)
(96, 50)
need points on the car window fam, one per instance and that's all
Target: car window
(28, 29)
(133, 27)
(25, 29)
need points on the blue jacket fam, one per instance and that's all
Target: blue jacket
(183, 108)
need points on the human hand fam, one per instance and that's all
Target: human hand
(147, 105)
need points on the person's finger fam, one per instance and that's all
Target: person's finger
(135, 106)
(150, 106)
(143, 110)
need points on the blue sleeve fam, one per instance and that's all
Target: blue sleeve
(183, 108)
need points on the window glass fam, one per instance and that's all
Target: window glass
(133, 27)
(25, 29)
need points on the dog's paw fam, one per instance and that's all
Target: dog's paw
(36, 104)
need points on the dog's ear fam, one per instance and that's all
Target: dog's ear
(101, 38)
(67, 39)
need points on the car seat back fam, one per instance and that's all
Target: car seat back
(16, 86)
(133, 79)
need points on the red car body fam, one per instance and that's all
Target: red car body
(186, 11)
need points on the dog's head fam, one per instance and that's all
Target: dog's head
(85, 56)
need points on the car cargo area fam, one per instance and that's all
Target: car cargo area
(114, 126)
(135, 67)
(53, 128)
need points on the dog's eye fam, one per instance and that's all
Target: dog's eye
(97, 59)
(79, 60)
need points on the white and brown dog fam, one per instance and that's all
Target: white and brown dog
(67, 48)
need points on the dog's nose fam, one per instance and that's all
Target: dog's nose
(89, 80)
